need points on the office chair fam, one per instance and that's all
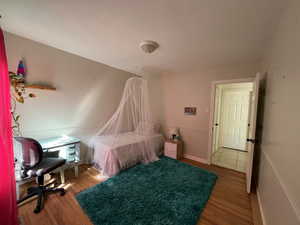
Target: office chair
(35, 165)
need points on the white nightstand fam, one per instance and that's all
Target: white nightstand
(173, 149)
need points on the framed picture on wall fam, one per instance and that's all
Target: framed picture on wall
(190, 111)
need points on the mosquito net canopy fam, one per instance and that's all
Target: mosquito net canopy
(130, 135)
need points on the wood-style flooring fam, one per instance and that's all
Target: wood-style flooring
(229, 203)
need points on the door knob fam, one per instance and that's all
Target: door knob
(253, 141)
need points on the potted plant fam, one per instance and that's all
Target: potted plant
(18, 95)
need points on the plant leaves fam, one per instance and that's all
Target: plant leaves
(20, 99)
(31, 95)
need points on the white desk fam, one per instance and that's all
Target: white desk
(65, 147)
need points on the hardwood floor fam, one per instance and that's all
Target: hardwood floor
(229, 203)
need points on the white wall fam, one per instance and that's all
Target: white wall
(87, 92)
(181, 90)
(279, 183)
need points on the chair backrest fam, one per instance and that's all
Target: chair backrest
(32, 152)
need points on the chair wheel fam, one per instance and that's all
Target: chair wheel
(62, 193)
(30, 190)
(37, 210)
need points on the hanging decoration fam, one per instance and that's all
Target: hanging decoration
(18, 95)
(130, 136)
(21, 69)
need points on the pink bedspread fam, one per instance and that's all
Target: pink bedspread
(113, 154)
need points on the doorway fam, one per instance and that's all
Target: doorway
(217, 144)
(231, 125)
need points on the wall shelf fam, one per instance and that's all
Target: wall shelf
(40, 86)
(18, 81)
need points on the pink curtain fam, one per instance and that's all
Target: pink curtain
(8, 208)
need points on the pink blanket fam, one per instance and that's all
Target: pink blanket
(113, 154)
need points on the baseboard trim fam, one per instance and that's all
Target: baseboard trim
(195, 158)
(261, 208)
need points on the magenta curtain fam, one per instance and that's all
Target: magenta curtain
(8, 207)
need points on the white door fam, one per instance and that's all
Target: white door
(234, 121)
(251, 136)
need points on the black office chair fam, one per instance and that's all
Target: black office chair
(35, 165)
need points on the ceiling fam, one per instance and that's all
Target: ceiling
(193, 34)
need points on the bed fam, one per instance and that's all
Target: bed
(115, 153)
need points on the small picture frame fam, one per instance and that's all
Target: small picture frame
(191, 111)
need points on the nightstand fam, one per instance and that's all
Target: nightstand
(173, 149)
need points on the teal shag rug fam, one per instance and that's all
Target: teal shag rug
(165, 192)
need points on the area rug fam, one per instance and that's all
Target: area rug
(165, 192)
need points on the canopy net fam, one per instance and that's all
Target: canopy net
(130, 135)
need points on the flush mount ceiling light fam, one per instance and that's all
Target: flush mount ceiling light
(149, 46)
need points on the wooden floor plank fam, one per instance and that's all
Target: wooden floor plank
(229, 203)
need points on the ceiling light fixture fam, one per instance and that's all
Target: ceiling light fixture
(149, 46)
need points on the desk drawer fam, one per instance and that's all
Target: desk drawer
(72, 152)
(69, 152)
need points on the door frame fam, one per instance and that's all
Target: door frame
(212, 109)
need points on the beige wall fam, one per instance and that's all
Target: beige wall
(87, 92)
(194, 89)
(279, 183)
